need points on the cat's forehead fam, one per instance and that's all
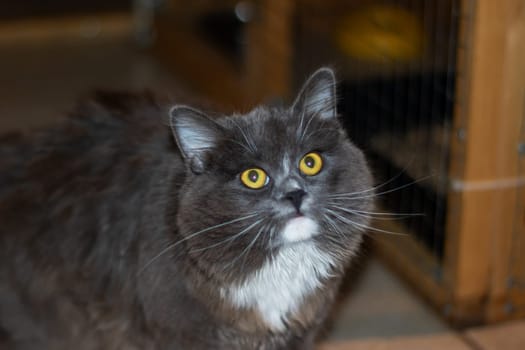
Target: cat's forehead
(263, 119)
(275, 129)
(275, 137)
(258, 138)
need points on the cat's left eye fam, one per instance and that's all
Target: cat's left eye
(311, 164)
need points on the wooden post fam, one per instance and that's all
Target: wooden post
(484, 172)
(512, 113)
(270, 48)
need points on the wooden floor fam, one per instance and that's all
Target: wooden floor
(508, 336)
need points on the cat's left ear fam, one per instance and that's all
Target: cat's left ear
(195, 133)
(318, 96)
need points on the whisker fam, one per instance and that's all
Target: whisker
(300, 128)
(394, 233)
(248, 149)
(393, 178)
(315, 131)
(379, 218)
(312, 117)
(254, 240)
(371, 189)
(249, 142)
(364, 227)
(404, 186)
(386, 213)
(229, 239)
(350, 196)
(248, 247)
(332, 224)
(173, 245)
(376, 215)
(270, 240)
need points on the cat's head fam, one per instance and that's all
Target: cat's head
(271, 180)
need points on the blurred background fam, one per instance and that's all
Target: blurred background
(432, 90)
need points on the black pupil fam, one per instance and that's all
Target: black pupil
(253, 175)
(309, 161)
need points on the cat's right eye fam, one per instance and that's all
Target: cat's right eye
(254, 178)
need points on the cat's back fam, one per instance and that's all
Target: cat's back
(73, 199)
(87, 177)
(110, 142)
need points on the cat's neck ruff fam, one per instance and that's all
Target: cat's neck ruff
(280, 286)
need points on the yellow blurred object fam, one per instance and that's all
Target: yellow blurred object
(381, 34)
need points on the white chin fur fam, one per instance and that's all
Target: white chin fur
(279, 287)
(299, 229)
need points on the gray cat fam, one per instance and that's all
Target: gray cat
(234, 236)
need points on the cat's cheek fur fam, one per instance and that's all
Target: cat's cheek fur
(278, 289)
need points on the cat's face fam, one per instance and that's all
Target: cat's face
(271, 180)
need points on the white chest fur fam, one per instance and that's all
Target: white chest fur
(281, 284)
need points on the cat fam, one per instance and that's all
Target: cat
(120, 230)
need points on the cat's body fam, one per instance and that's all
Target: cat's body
(113, 236)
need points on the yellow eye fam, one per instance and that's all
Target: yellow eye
(311, 164)
(254, 178)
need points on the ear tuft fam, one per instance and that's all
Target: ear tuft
(318, 95)
(194, 132)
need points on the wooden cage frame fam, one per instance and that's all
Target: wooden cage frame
(479, 278)
(478, 281)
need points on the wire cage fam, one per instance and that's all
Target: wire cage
(398, 65)
(395, 98)
(417, 95)
(432, 90)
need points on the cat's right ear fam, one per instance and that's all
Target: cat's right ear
(195, 133)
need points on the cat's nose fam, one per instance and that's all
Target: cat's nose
(296, 197)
